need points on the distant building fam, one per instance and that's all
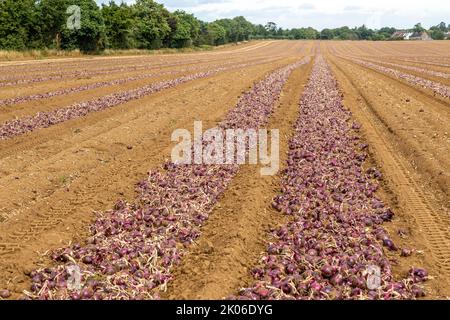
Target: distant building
(447, 35)
(402, 35)
(409, 35)
(423, 36)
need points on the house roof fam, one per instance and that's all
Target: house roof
(408, 35)
(420, 34)
(399, 33)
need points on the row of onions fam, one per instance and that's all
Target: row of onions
(438, 62)
(17, 127)
(134, 246)
(83, 70)
(334, 244)
(97, 85)
(100, 63)
(436, 87)
(75, 63)
(125, 64)
(79, 74)
(412, 68)
(91, 86)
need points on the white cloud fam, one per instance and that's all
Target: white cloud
(320, 13)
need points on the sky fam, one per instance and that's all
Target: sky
(318, 14)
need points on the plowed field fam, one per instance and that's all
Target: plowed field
(364, 179)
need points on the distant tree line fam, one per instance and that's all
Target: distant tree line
(37, 24)
(363, 33)
(146, 24)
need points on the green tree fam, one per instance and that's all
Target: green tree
(378, 37)
(326, 34)
(52, 16)
(345, 33)
(90, 37)
(118, 25)
(242, 29)
(386, 32)
(311, 33)
(280, 33)
(187, 29)
(437, 34)
(304, 33)
(364, 33)
(297, 34)
(271, 28)
(151, 24)
(418, 28)
(259, 32)
(229, 27)
(17, 24)
(443, 27)
(216, 34)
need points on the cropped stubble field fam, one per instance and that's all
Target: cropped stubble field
(364, 131)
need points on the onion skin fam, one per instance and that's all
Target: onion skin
(13, 81)
(436, 87)
(389, 244)
(406, 252)
(5, 294)
(334, 237)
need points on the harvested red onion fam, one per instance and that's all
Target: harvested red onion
(436, 87)
(134, 246)
(5, 294)
(329, 250)
(96, 85)
(86, 73)
(412, 68)
(41, 120)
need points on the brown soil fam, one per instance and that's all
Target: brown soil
(437, 79)
(435, 50)
(400, 54)
(423, 64)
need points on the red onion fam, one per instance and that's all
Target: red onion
(136, 245)
(41, 120)
(437, 87)
(334, 239)
(5, 294)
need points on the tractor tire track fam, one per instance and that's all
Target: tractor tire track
(414, 199)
